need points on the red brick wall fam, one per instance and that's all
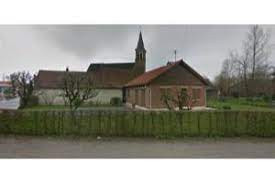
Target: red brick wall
(175, 78)
(156, 93)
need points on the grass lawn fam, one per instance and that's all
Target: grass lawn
(240, 104)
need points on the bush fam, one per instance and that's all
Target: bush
(266, 98)
(33, 101)
(139, 124)
(226, 107)
(116, 101)
(235, 94)
(249, 99)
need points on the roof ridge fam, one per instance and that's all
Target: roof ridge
(155, 73)
(44, 70)
(162, 69)
(114, 63)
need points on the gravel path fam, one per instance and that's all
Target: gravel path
(42, 147)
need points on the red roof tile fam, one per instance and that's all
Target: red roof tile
(149, 76)
(47, 79)
(103, 78)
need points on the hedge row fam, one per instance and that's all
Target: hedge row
(151, 124)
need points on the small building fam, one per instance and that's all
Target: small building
(145, 91)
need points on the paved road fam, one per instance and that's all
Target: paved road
(42, 147)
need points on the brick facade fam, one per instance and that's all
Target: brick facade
(176, 78)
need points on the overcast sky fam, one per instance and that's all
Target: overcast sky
(34, 47)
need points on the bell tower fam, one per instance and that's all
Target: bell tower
(140, 60)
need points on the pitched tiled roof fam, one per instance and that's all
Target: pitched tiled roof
(96, 66)
(149, 76)
(103, 78)
(47, 79)
(110, 78)
(111, 75)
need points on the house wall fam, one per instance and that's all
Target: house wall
(175, 79)
(49, 96)
(104, 96)
(139, 96)
(156, 101)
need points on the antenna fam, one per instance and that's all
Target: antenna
(175, 52)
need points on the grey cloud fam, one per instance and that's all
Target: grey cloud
(37, 47)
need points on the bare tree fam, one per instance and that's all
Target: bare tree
(78, 88)
(22, 85)
(166, 98)
(227, 77)
(241, 63)
(181, 99)
(248, 66)
(258, 49)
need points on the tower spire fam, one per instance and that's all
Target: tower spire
(140, 44)
(140, 60)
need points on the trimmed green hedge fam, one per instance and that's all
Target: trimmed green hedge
(139, 124)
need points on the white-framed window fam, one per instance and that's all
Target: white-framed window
(165, 90)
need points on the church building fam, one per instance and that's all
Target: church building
(129, 81)
(109, 78)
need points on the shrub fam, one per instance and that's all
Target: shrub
(226, 107)
(140, 123)
(266, 98)
(222, 99)
(235, 94)
(116, 101)
(33, 101)
(249, 99)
